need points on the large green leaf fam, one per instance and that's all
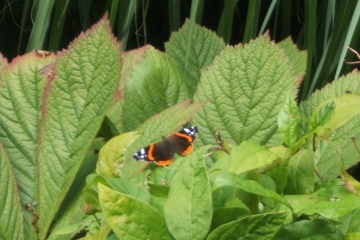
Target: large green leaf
(78, 92)
(21, 90)
(130, 218)
(188, 208)
(204, 46)
(154, 85)
(11, 218)
(246, 86)
(262, 226)
(71, 212)
(327, 156)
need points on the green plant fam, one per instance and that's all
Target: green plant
(279, 179)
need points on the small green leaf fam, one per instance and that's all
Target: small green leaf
(289, 121)
(301, 173)
(231, 179)
(250, 156)
(346, 109)
(130, 218)
(188, 209)
(261, 226)
(111, 154)
(324, 113)
(310, 229)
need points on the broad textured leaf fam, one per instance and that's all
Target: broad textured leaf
(130, 218)
(289, 121)
(262, 226)
(204, 46)
(310, 229)
(246, 86)
(11, 218)
(154, 85)
(188, 209)
(231, 179)
(76, 98)
(21, 90)
(129, 60)
(71, 211)
(296, 57)
(301, 173)
(327, 157)
(250, 156)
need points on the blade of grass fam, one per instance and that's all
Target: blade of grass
(310, 42)
(84, 10)
(332, 53)
(114, 13)
(39, 32)
(349, 34)
(126, 15)
(226, 20)
(58, 24)
(285, 18)
(329, 22)
(174, 15)
(252, 20)
(24, 16)
(271, 10)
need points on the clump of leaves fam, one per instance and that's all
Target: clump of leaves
(279, 175)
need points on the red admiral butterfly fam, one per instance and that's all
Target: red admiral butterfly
(163, 153)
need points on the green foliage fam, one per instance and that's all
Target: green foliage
(274, 165)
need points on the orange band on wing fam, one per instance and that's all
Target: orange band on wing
(164, 163)
(188, 150)
(183, 135)
(150, 152)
